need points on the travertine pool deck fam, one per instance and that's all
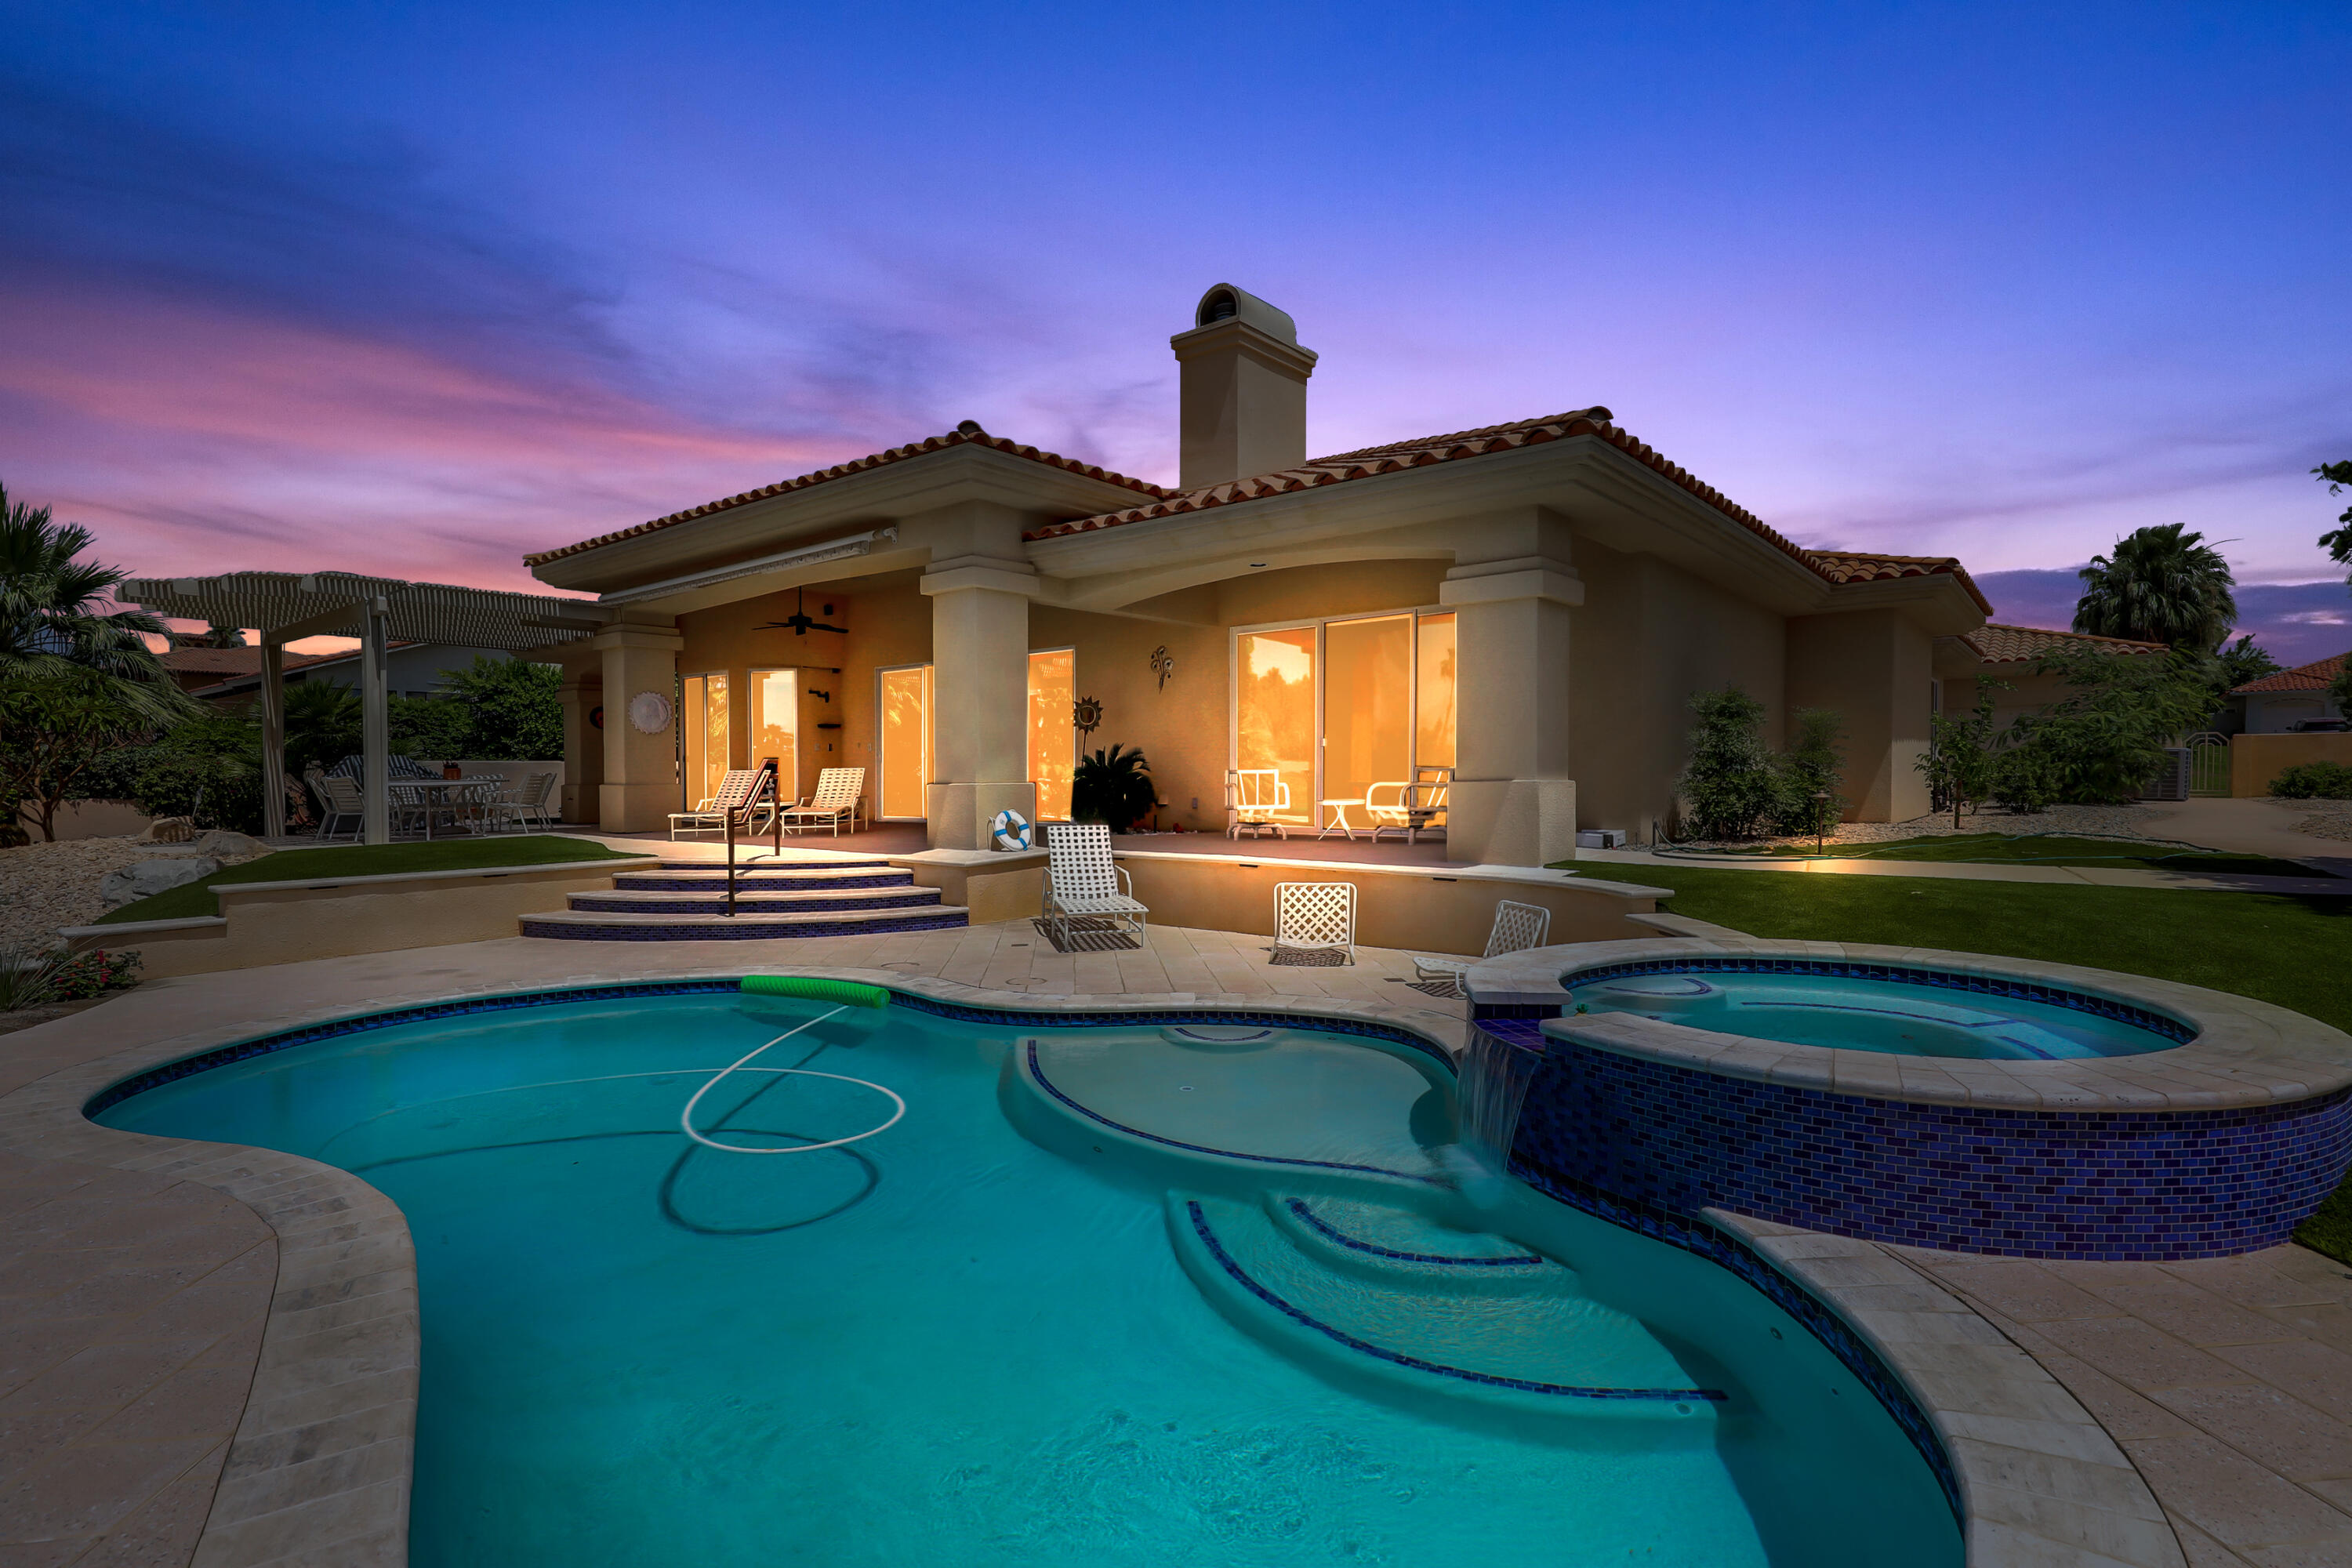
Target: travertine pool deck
(211, 1352)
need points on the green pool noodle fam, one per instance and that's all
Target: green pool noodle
(849, 993)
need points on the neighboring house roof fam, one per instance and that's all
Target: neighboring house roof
(2011, 645)
(226, 662)
(965, 434)
(2318, 675)
(1833, 566)
(249, 674)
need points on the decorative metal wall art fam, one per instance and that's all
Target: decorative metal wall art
(1163, 664)
(1086, 713)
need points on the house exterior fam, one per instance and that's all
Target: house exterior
(1529, 604)
(203, 669)
(415, 668)
(2009, 655)
(2277, 704)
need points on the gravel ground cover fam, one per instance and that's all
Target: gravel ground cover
(2325, 818)
(45, 886)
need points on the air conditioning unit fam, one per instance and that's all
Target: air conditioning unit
(2170, 783)
(1601, 838)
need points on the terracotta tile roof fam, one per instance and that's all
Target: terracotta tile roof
(1370, 461)
(227, 661)
(2318, 675)
(967, 434)
(2009, 645)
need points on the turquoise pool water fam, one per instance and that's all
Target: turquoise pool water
(1859, 1014)
(947, 1345)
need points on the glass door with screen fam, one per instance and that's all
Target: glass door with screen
(1053, 730)
(702, 722)
(906, 740)
(776, 724)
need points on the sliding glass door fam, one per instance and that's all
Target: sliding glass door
(1053, 730)
(775, 726)
(906, 748)
(702, 722)
(1336, 707)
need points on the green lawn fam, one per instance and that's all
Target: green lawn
(2042, 849)
(195, 900)
(2293, 950)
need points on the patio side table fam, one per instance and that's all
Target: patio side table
(1339, 823)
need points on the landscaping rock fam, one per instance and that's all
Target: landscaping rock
(149, 877)
(230, 846)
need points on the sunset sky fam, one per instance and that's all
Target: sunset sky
(414, 289)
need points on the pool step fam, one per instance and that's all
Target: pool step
(1381, 1294)
(754, 898)
(686, 900)
(692, 876)
(606, 925)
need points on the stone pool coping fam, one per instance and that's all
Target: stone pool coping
(2246, 1053)
(319, 1468)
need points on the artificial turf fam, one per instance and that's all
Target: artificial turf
(195, 900)
(2038, 849)
(2291, 950)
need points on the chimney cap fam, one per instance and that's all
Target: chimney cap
(1225, 302)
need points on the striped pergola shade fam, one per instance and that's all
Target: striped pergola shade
(286, 606)
(283, 605)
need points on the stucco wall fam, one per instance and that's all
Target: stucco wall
(2255, 760)
(1181, 729)
(729, 639)
(1876, 669)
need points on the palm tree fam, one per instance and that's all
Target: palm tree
(2161, 585)
(52, 625)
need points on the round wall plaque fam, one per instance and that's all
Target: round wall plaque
(649, 713)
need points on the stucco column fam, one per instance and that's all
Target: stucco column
(1513, 798)
(583, 695)
(1877, 669)
(640, 784)
(979, 696)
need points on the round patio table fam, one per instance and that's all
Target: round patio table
(1339, 817)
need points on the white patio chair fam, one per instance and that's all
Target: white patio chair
(835, 802)
(530, 801)
(339, 798)
(1313, 922)
(740, 788)
(1408, 805)
(1518, 927)
(1083, 883)
(1257, 799)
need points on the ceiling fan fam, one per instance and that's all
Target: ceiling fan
(798, 620)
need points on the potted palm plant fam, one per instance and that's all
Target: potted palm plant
(1114, 787)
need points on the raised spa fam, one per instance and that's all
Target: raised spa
(1918, 1012)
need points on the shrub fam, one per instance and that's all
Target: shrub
(2106, 739)
(1729, 786)
(1808, 774)
(2314, 780)
(1113, 787)
(87, 974)
(1961, 759)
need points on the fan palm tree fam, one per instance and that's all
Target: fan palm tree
(2161, 585)
(53, 625)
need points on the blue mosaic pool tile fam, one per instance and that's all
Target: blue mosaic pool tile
(2114, 1185)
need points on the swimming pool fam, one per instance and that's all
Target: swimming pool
(1925, 1015)
(948, 1343)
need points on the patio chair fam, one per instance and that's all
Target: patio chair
(1082, 883)
(740, 787)
(339, 797)
(520, 805)
(1257, 799)
(1313, 922)
(1408, 805)
(835, 802)
(1518, 927)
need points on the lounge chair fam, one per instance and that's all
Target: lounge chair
(1313, 922)
(835, 802)
(339, 797)
(1518, 927)
(520, 805)
(740, 789)
(1082, 883)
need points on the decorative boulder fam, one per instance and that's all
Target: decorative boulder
(222, 842)
(149, 878)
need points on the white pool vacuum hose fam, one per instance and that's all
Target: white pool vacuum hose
(686, 1119)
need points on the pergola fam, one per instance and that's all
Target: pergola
(286, 606)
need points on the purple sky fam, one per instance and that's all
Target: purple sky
(415, 290)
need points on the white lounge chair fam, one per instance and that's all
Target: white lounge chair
(1257, 799)
(1408, 805)
(520, 805)
(1313, 922)
(1518, 927)
(1082, 883)
(835, 802)
(738, 790)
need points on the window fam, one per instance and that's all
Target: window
(776, 724)
(702, 721)
(1053, 730)
(906, 727)
(1336, 707)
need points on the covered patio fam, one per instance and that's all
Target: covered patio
(285, 607)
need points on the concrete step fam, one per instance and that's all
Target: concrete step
(603, 925)
(754, 898)
(694, 879)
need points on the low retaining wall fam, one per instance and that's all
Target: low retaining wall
(289, 922)
(2255, 760)
(994, 886)
(1425, 908)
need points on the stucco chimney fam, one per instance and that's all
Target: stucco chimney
(1244, 390)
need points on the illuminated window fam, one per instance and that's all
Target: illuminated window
(1274, 711)
(776, 725)
(1340, 706)
(906, 709)
(703, 718)
(1053, 730)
